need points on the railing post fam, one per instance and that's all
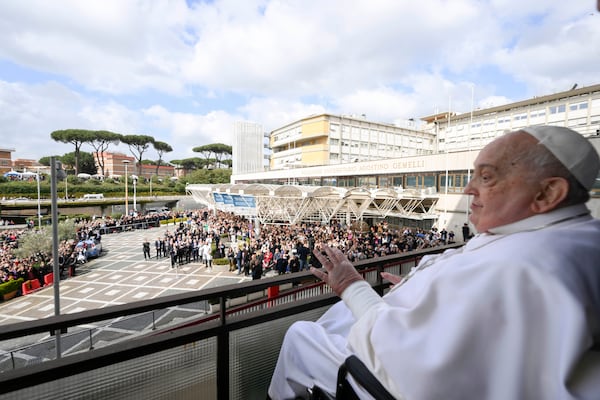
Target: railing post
(223, 355)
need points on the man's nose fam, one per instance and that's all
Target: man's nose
(469, 188)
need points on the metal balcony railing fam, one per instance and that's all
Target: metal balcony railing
(228, 354)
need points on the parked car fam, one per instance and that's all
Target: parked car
(93, 196)
(93, 247)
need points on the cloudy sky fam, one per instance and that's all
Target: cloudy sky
(185, 71)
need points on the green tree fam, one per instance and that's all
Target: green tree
(76, 137)
(34, 241)
(161, 148)
(192, 163)
(219, 150)
(100, 142)
(209, 176)
(138, 144)
(86, 162)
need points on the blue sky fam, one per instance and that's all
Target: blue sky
(185, 71)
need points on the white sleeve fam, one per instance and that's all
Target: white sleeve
(360, 297)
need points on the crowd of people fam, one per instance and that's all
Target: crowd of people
(34, 266)
(41, 263)
(13, 267)
(200, 236)
(253, 250)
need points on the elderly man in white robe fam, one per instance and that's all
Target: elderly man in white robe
(513, 314)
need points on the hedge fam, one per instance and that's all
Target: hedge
(10, 286)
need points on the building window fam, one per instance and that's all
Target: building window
(385, 181)
(456, 182)
(366, 181)
(429, 180)
(580, 106)
(347, 181)
(557, 109)
(520, 117)
(329, 181)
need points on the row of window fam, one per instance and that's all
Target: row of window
(533, 114)
(456, 181)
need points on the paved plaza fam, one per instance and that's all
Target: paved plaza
(119, 276)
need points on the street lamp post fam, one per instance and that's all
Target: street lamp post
(39, 207)
(134, 179)
(126, 189)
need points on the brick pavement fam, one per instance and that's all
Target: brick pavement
(119, 276)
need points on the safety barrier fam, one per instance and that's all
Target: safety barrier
(229, 356)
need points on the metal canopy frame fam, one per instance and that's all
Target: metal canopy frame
(295, 204)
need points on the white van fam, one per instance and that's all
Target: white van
(93, 196)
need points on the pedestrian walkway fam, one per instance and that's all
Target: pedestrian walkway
(119, 276)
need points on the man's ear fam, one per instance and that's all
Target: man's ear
(552, 192)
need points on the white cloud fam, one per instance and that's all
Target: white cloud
(112, 46)
(183, 74)
(273, 112)
(555, 56)
(186, 131)
(29, 113)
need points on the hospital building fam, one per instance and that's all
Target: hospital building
(348, 167)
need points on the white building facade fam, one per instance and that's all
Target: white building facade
(248, 148)
(441, 166)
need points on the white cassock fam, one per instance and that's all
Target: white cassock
(513, 314)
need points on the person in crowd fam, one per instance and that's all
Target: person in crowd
(514, 313)
(146, 249)
(444, 236)
(163, 247)
(173, 253)
(451, 237)
(207, 255)
(282, 264)
(157, 247)
(294, 263)
(466, 232)
(246, 260)
(82, 254)
(302, 252)
(256, 266)
(231, 258)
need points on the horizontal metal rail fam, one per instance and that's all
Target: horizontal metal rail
(309, 294)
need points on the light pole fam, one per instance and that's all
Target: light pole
(134, 179)
(39, 208)
(126, 189)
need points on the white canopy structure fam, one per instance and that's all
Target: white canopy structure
(299, 203)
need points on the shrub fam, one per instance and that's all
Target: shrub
(220, 261)
(10, 286)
